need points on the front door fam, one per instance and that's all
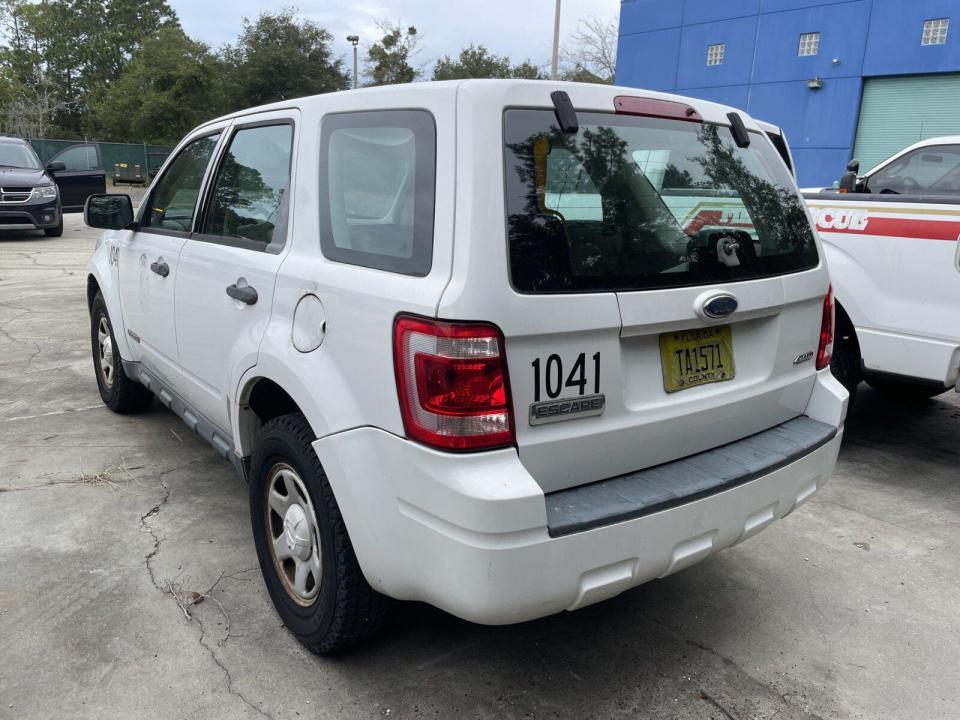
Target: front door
(149, 257)
(82, 176)
(229, 266)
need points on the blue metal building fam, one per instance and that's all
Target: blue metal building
(844, 78)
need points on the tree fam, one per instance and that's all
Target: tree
(279, 57)
(388, 61)
(591, 52)
(172, 85)
(60, 53)
(475, 61)
(528, 71)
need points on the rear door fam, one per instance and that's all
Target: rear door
(84, 175)
(228, 267)
(668, 287)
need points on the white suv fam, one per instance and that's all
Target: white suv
(490, 345)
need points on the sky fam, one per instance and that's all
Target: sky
(519, 28)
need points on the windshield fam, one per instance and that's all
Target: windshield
(17, 155)
(631, 203)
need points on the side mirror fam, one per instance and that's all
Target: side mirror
(108, 212)
(853, 166)
(56, 166)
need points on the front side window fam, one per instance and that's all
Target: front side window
(931, 170)
(79, 157)
(173, 200)
(635, 203)
(250, 197)
(377, 177)
(935, 32)
(809, 44)
(715, 54)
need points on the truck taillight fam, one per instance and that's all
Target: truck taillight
(825, 351)
(452, 383)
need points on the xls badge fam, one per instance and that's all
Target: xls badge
(566, 409)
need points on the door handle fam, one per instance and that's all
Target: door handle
(245, 294)
(160, 267)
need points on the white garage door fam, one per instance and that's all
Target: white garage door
(899, 111)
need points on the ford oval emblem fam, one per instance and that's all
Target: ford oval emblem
(720, 306)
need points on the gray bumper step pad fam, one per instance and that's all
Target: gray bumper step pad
(648, 491)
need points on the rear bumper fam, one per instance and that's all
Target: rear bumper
(29, 217)
(470, 533)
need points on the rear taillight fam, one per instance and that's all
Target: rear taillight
(825, 351)
(452, 383)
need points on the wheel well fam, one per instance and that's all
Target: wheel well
(92, 289)
(845, 326)
(261, 401)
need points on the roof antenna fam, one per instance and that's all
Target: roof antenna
(566, 115)
(740, 135)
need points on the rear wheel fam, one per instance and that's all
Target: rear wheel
(118, 392)
(305, 553)
(904, 390)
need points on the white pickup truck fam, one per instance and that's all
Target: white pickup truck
(891, 243)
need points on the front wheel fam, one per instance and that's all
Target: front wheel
(56, 230)
(305, 553)
(845, 362)
(118, 392)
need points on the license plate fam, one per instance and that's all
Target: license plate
(696, 357)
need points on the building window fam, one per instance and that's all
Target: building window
(935, 32)
(809, 44)
(715, 54)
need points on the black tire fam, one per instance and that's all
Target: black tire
(845, 363)
(56, 230)
(345, 610)
(903, 390)
(119, 393)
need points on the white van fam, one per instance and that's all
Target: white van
(506, 347)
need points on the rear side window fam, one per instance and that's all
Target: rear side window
(634, 203)
(377, 182)
(248, 205)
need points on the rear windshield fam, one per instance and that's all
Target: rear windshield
(634, 203)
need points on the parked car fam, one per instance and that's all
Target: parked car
(29, 199)
(483, 344)
(891, 239)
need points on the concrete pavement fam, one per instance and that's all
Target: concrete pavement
(849, 608)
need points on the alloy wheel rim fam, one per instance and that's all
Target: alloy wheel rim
(105, 343)
(293, 534)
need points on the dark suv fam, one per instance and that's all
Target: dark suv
(29, 198)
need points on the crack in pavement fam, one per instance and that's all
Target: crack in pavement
(226, 672)
(148, 558)
(782, 696)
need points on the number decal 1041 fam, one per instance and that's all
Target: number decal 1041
(549, 376)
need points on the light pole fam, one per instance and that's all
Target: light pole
(556, 42)
(354, 39)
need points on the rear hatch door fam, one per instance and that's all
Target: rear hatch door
(666, 289)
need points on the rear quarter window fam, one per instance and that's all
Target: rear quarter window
(634, 203)
(377, 187)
